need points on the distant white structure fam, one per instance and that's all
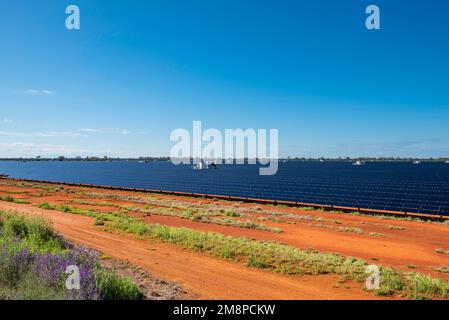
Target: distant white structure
(233, 146)
(416, 162)
(358, 163)
(204, 165)
(199, 166)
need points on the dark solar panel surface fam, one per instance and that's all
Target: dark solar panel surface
(402, 186)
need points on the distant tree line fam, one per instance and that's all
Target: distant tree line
(151, 159)
(105, 158)
(370, 159)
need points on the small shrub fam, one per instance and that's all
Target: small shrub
(46, 206)
(442, 269)
(226, 253)
(99, 221)
(425, 287)
(391, 227)
(391, 282)
(14, 200)
(256, 261)
(441, 251)
(232, 214)
(115, 288)
(377, 234)
(350, 230)
(7, 199)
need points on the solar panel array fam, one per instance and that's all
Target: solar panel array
(382, 186)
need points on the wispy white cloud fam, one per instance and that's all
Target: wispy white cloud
(47, 134)
(90, 130)
(106, 130)
(124, 131)
(38, 92)
(30, 149)
(84, 132)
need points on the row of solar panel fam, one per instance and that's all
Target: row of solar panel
(430, 200)
(296, 186)
(383, 197)
(388, 204)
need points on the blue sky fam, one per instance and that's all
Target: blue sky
(139, 69)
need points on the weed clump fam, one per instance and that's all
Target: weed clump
(34, 260)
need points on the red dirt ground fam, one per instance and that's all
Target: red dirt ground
(405, 244)
(207, 277)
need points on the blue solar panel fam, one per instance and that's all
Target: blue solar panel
(382, 186)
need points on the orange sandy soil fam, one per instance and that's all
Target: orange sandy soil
(406, 243)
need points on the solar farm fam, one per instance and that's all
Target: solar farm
(401, 187)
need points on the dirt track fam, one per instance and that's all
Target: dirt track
(414, 245)
(210, 278)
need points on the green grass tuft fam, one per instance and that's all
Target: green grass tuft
(14, 200)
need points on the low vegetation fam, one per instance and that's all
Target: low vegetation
(395, 217)
(279, 257)
(376, 234)
(67, 209)
(12, 199)
(201, 215)
(267, 255)
(350, 230)
(33, 261)
(442, 269)
(287, 259)
(93, 203)
(391, 227)
(441, 251)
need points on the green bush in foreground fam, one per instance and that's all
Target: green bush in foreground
(115, 288)
(34, 234)
(33, 261)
